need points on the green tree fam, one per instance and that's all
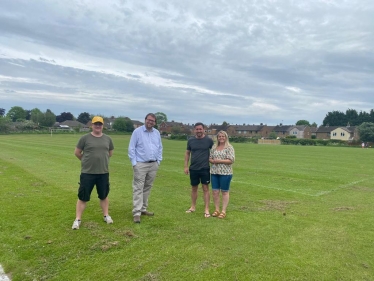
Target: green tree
(352, 117)
(335, 118)
(366, 131)
(176, 130)
(64, 116)
(2, 112)
(371, 115)
(302, 122)
(84, 117)
(36, 115)
(123, 124)
(225, 125)
(26, 125)
(314, 124)
(48, 119)
(28, 114)
(363, 117)
(161, 117)
(16, 113)
(4, 124)
(273, 135)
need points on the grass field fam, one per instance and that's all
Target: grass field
(295, 213)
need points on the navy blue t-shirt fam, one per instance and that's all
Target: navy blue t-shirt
(200, 149)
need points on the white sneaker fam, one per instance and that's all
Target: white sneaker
(108, 219)
(76, 224)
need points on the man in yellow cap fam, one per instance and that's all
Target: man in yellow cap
(94, 150)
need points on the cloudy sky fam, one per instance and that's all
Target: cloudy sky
(239, 61)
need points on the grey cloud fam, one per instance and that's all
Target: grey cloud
(249, 53)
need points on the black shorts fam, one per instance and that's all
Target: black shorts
(87, 183)
(200, 176)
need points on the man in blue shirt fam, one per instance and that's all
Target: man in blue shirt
(145, 153)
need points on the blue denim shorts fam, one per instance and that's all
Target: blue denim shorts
(221, 182)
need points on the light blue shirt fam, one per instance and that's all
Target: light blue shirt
(145, 146)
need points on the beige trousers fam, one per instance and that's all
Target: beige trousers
(144, 175)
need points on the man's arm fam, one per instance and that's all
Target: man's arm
(110, 153)
(78, 153)
(131, 149)
(186, 160)
(160, 148)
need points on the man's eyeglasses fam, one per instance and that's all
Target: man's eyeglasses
(98, 124)
(150, 120)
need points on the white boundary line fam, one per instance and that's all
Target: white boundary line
(3, 276)
(303, 193)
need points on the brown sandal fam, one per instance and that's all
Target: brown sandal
(215, 214)
(222, 215)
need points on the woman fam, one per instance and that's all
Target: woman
(222, 156)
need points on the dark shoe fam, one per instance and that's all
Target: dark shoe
(137, 219)
(146, 213)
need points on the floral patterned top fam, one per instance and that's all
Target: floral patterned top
(226, 153)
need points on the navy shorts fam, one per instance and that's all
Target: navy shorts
(199, 176)
(87, 183)
(221, 182)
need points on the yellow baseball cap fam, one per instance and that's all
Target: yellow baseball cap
(97, 119)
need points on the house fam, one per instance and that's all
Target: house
(73, 124)
(249, 130)
(213, 129)
(282, 131)
(137, 123)
(301, 132)
(169, 127)
(61, 127)
(313, 131)
(345, 133)
(324, 132)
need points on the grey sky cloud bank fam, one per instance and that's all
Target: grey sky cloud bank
(237, 61)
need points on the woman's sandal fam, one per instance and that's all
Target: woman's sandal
(207, 215)
(215, 214)
(222, 215)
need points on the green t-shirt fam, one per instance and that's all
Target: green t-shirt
(95, 159)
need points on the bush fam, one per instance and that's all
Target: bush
(178, 137)
(314, 142)
(240, 139)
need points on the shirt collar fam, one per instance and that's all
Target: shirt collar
(145, 129)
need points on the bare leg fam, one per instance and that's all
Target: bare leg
(193, 197)
(216, 199)
(225, 200)
(104, 204)
(81, 205)
(206, 197)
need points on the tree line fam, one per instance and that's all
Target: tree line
(35, 118)
(349, 117)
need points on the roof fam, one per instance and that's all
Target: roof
(283, 128)
(248, 127)
(347, 129)
(72, 123)
(326, 129)
(329, 129)
(173, 124)
(301, 128)
(136, 122)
